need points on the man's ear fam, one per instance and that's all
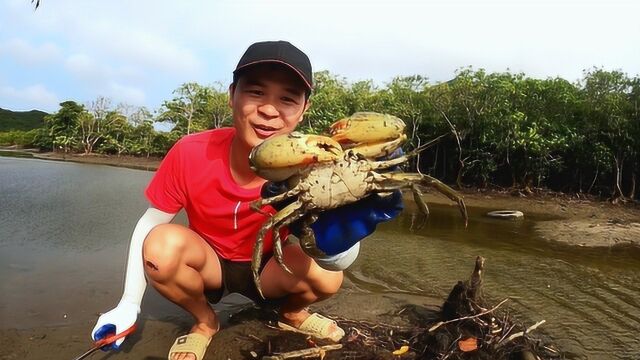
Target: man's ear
(232, 89)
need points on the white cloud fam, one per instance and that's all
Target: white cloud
(132, 36)
(126, 94)
(31, 97)
(83, 66)
(104, 80)
(28, 54)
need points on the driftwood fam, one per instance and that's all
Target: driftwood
(467, 327)
(304, 353)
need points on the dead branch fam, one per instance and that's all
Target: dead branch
(434, 327)
(317, 351)
(522, 333)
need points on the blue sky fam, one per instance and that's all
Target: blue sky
(138, 52)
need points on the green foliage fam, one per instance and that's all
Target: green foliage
(63, 126)
(21, 120)
(329, 102)
(196, 108)
(512, 130)
(18, 137)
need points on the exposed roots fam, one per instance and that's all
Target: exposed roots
(466, 328)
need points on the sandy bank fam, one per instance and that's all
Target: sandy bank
(241, 335)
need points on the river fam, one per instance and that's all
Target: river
(65, 227)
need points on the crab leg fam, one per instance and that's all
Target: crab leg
(259, 204)
(277, 243)
(277, 249)
(308, 238)
(256, 260)
(422, 205)
(393, 181)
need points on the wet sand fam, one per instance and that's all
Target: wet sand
(236, 340)
(132, 162)
(567, 219)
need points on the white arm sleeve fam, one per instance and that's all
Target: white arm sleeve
(135, 282)
(341, 261)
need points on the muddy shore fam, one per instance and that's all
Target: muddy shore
(245, 332)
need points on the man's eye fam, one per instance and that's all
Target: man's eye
(255, 92)
(288, 100)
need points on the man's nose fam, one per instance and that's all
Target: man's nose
(268, 110)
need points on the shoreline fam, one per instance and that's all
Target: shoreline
(571, 219)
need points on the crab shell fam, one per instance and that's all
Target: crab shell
(282, 156)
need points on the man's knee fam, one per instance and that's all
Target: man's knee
(162, 251)
(328, 283)
(323, 282)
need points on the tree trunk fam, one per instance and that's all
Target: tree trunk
(595, 177)
(579, 181)
(617, 188)
(435, 161)
(632, 192)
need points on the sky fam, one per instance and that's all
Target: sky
(139, 52)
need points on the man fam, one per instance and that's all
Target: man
(208, 175)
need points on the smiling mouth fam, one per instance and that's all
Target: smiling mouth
(264, 131)
(265, 127)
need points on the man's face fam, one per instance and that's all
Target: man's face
(268, 99)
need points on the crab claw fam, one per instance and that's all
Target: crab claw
(368, 133)
(282, 156)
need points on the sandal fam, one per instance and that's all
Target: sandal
(317, 326)
(193, 343)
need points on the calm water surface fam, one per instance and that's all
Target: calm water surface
(64, 231)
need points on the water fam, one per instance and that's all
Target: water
(64, 230)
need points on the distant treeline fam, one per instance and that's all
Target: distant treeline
(21, 120)
(512, 130)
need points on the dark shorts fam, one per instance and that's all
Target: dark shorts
(237, 278)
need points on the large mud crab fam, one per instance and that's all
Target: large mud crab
(328, 172)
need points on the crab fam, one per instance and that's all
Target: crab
(327, 172)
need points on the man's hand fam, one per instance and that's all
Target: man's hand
(115, 321)
(337, 230)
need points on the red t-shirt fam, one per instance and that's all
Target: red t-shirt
(195, 175)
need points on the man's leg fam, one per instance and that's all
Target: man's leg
(309, 284)
(181, 265)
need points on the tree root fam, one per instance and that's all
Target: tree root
(468, 328)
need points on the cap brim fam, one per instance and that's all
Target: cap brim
(309, 86)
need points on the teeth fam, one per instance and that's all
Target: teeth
(267, 128)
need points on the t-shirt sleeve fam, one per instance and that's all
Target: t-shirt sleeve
(166, 191)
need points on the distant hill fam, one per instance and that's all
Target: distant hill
(21, 120)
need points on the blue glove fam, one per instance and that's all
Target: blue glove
(337, 230)
(103, 332)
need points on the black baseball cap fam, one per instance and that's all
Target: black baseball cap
(281, 52)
